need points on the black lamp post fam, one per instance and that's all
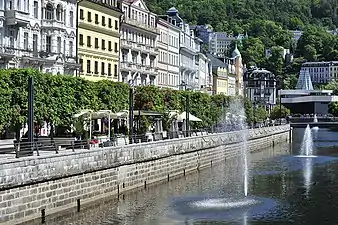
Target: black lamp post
(280, 107)
(187, 109)
(131, 111)
(77, 34)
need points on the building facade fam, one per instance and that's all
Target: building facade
(38, 34)
(321, 72)
(306, 100)
(260, 87)
(139, 49)
(194, 69)
(99, 39)
(169, 52)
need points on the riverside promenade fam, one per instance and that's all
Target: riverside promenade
(37, 186)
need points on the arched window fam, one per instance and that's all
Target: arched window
(49, 12)
(59, 14)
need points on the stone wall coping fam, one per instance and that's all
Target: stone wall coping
(135, 145)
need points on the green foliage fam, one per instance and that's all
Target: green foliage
(279, 112)
(333, 108)
(235, 16)
(260, 114)
(58, 98)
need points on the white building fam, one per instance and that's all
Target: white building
(321, 72)
(260, 87)
(38, 34)
(204, 72)
(194, 69)
(169, 51)
(306, 100)
(220, 43)
(138, 44)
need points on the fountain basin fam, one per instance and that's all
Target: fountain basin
(228, 209)
(306, 156)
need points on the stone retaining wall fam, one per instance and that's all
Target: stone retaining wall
(52, 183)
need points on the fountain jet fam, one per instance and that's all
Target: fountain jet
(238, 122)
(307, 143)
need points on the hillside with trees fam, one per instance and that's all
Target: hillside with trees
(236, 15)
(267, 23)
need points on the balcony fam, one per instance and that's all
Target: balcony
(128, 66)
(7, 52)
(52, 24)
(152, 50)
(17, 18)
(144, 26)
(126, 44)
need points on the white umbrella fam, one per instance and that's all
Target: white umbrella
(183, 116)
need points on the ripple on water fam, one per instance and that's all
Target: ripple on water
(225, 209)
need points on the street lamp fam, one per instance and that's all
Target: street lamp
(280, 106)
(131, 111)
(187, 109)
(77, 33)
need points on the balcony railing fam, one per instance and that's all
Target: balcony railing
(15, 17)
(137, 23)
(53, 24)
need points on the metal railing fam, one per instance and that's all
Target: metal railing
(25, 148)
(43, 146)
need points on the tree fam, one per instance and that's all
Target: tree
(279, 112)
(333, 108)
(260, 114)
(253, 51)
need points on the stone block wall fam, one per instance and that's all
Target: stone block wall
(34, 184)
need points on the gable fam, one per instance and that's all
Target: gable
(140, 4)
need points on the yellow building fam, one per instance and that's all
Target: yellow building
(99, 39)
(220, 78)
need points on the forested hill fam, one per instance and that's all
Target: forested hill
(234, 15)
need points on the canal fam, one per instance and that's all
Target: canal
(283, 189)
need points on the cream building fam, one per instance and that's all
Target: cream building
(99, 39)
(38, 34)
(138, 44)
(169, 50)
(321, 72)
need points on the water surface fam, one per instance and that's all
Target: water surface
(283, 189)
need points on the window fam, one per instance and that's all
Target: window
(96, 67)
(96, 19)
(89, 15)
(81, 65)
(71, 47)
(103, 21)
(58, 44)
(96, 43)
(89, 41)
(109, 46)
(81, 39)
(36, 9)
(88, 66)
(103, 44)
(71, 14)
(25, 40)
(64, 47)
(116, 49)
(81, 14)
(59, 13)
(48, 43)
(49, 12)
(116, 25)
(109, 69)
(35, 43)
(102, 68)
(115, 70)
(110, 25)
